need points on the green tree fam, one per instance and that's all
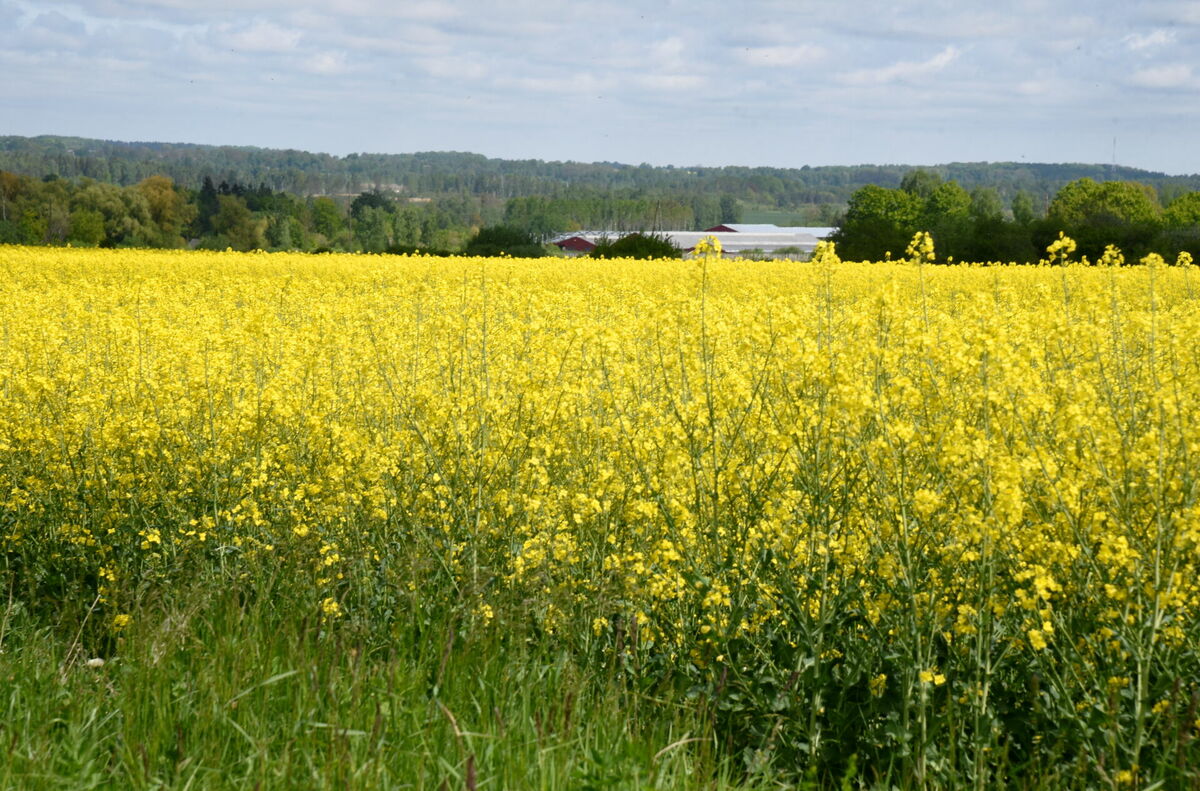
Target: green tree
(731, 210)
(207, 206)
(326, 217)
(11, 188)
(920, 182)
(986, 205)
(370, 200)
(87, 228)
(504, 240)
(169, 209)
(1084, 201)
(126, 212)
(373, 228)
(1183, 212)
(236, 226)
(946, 215)
(878, 220)
(637, 245)
(1123, 213)
(1181, 233)
(406, 226)
(1022, 208)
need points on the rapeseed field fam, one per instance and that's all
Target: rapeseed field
(888, 524)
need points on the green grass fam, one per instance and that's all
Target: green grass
(218, 693)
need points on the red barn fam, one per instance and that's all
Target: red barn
(576, 244)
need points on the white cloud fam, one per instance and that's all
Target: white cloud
(259, 36)
(671, 82)
(782, 56)
(669, 53)
(581, 84)
(902, 71)
(427, 10)
(1151, 40)
(452, 67)
(325, 63)
(1177, 75)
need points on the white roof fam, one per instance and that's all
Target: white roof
(818, 231)
(731, 241)
(737, 241)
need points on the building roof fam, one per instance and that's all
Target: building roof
(738, 241)
(818, 231)
(576, 242)
(732, 242)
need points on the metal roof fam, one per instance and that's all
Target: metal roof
(731, 241)
(818, 231)
(737, 241)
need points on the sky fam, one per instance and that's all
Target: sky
(783, 83)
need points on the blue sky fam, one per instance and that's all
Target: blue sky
(762, 82)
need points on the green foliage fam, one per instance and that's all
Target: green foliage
(878, 221)
(236, 226)
(1085, 201)
(921, 183)
(169, 209)
(1183, 212)
(972, 227)
(370, 200)
(1022, 208)
(504, 240)
(326, 217)
(986, 205)
(1122, 213)
(87, 227)
(372, 227)
(637, 245)
(444, 174)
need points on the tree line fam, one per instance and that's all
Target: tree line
(878, 222)
(977, 225)
(157, 212)
(806, 190)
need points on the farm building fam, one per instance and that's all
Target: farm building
(782, 243)
(576, 243)
(821, 232)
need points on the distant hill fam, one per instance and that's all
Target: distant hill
(460, 173)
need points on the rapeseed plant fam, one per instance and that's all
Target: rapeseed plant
(884, 505)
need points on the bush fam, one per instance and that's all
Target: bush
(637, 245)
(504, 240)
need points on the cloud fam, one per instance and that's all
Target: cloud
(430, 10)
(1141, 41)
(671, 82)
(901, 71)
(325, 63)
(785, 56)
(1177, 75)
(669, 53)
(578, 84)
(258, 36)
(452, 67)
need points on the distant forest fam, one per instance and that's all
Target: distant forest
(68, 189)
(432, 174)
